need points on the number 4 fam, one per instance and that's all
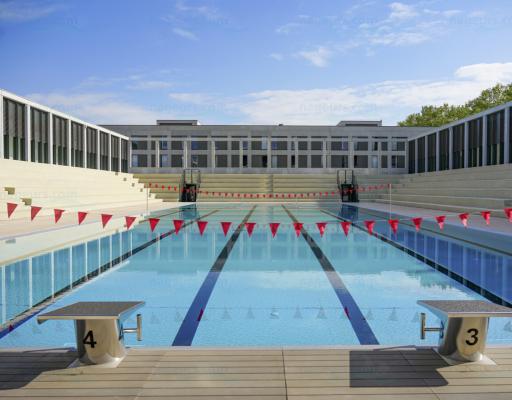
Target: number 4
(89, 339)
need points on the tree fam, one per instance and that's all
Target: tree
(441, 115)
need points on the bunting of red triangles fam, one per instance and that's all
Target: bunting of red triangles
(105, 218)
(57, 214)
(81, 217)
(153, 222)
(202, 226)
(345, 225)
(464, 219)
(298, 227)
(225, 227)
(321, 227)
(178, 223)
(486, 215)
(129, 221)
(440, 221)
(34, 211)
(249, 226)
(274, 226)
(10, 209)
(508, 213)
(369, 226)
(417, 223)
(393, 223)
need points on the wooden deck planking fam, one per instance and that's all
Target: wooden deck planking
(267, 374)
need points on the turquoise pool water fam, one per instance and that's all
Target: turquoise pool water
(236, 290)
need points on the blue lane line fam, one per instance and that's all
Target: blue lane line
(190, 323)
(361, 327)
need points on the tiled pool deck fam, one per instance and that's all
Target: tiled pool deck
(289, 373)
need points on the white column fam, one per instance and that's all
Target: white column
(450, 147)
(185, 153)
(350, 153)
(438, 148)
(50, 138)
(484, 140)
(69, 142)
(1, 128)
(157, 153)
(506, 139)
(84, 139)
(269, 152)
(28, 132)
(119, 157)
(212, 153)
(98, 152)
(466, 144)
(324, 153)
(296, 153)
(241, 154)
(109, 152)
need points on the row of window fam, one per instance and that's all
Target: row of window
(14, 136)
(262, 161)
(494, 151)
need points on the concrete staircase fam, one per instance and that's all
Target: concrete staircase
(168, 181)
(306, 183)
(72, 189)
(471, 190)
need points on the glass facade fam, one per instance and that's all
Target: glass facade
(421, 154)
(458, 146)
(444, 149)
(60, 140)
(14, 130)
(431, 152)
(495, 138)
(40, 139)
(92, 148)
(475, 143)
(104, 151)
(77, 145)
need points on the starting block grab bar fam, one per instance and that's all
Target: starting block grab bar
(463, 330)
(99, 329)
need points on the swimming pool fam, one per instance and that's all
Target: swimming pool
(236, 290)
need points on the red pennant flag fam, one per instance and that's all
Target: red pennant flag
(105, 218)
(10, 209)
(321, 227)
(345, 225)
(153, 222)
(129, 221)
(177, 225)
(34, 211)
(464, 219)
(202, 226)
(440, 221)
(225, 227)
(487, 216)
(508, 213)
(417, 222)
(81, 216)
(370, 225)
(393, 223)
(298, 227)
(250, 227)
(58, 213)
(274, 226)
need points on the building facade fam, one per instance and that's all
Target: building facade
(33, 132)
(478, 140)
(171, 146)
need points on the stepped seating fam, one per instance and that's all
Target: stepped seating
(471, 190)
(165, 180)
(306, 183)
(364, 181)
(71, 189)
(234, 183)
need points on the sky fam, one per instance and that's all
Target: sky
(252, 62)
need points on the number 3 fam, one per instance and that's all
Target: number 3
(89, 339)
(474, 335)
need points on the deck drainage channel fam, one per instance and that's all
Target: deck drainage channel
(37, 308)
(190, 323)
(361, 327)
(431, 263)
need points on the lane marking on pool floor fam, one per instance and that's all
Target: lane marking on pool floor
(361, 327)
(190, 323)
(37, 308)
(431, 263)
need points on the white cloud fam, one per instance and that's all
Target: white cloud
(288, 28)
(184, 33)
(209, 13)
(150, 85)
(398, 38)
(97, 108)
(318, 57)
(401, 11)
(191, 98)
(277, 56)
(21, 10)
(388, 100)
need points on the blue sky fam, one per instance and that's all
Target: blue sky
(258, 62)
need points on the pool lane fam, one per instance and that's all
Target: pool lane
(188, 328)
(361, 327)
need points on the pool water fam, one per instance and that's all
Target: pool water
(236, 290)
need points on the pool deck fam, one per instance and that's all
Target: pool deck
(339, 373)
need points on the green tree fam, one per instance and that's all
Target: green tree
(441, 115)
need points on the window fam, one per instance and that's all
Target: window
(279, 145)
(40, 136)
(339, 161)
(303, 145)
(139, 145)
(384, 162)
(360, 161)
(164, 145)
(164, 161)
(361, 146)
(259, 161)
(279, 161)
(199, 145)
(256, 145)
(317, 161)
(244, 161)
(375, 162)
(384, 146)
(292, 161)
(176, 161)
(199, 161)
(495, 138)
(104, 145)
(235, 145)
(114, 160)
(139, 160)
(245, 145)
(317, 145)
(77, 145)
(421, 155)
(397, 161)
(221, 145)
(176, 145)
(92, 148)
(221, 161)
(14, 130)
(397, 146)
(124, 155)
(412, 156)
(235, 161)
(303, 161)
(60, 141)
(375, 146)
(339, 146)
